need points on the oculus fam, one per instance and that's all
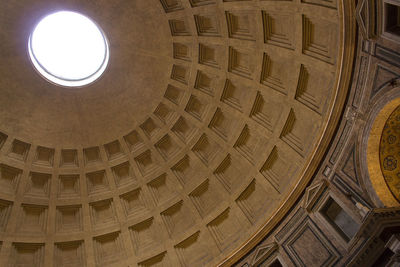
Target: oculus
(68, 49)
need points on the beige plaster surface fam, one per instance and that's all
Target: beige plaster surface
(138, 71)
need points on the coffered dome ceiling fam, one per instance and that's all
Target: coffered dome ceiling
(201, 134)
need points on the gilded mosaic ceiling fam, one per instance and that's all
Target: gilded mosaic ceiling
(389, 153)
(195, 139)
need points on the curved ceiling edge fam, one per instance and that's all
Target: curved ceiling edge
(349, 42)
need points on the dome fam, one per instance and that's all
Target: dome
(193, 146)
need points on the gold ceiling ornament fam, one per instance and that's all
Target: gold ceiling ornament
(383, 155)
(389, 153)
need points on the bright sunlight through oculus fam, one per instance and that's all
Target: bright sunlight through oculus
(68, 49)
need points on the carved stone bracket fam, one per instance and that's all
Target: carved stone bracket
(366, 18)
(313, 193)
(263, 252)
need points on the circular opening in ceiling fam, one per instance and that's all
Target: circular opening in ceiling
(68, 49)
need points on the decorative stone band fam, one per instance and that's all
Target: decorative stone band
(370, 238)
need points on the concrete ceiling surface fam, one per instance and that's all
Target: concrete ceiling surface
(198, 138)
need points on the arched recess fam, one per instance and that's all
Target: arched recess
(374, 179)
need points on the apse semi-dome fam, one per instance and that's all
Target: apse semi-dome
(68, 49)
